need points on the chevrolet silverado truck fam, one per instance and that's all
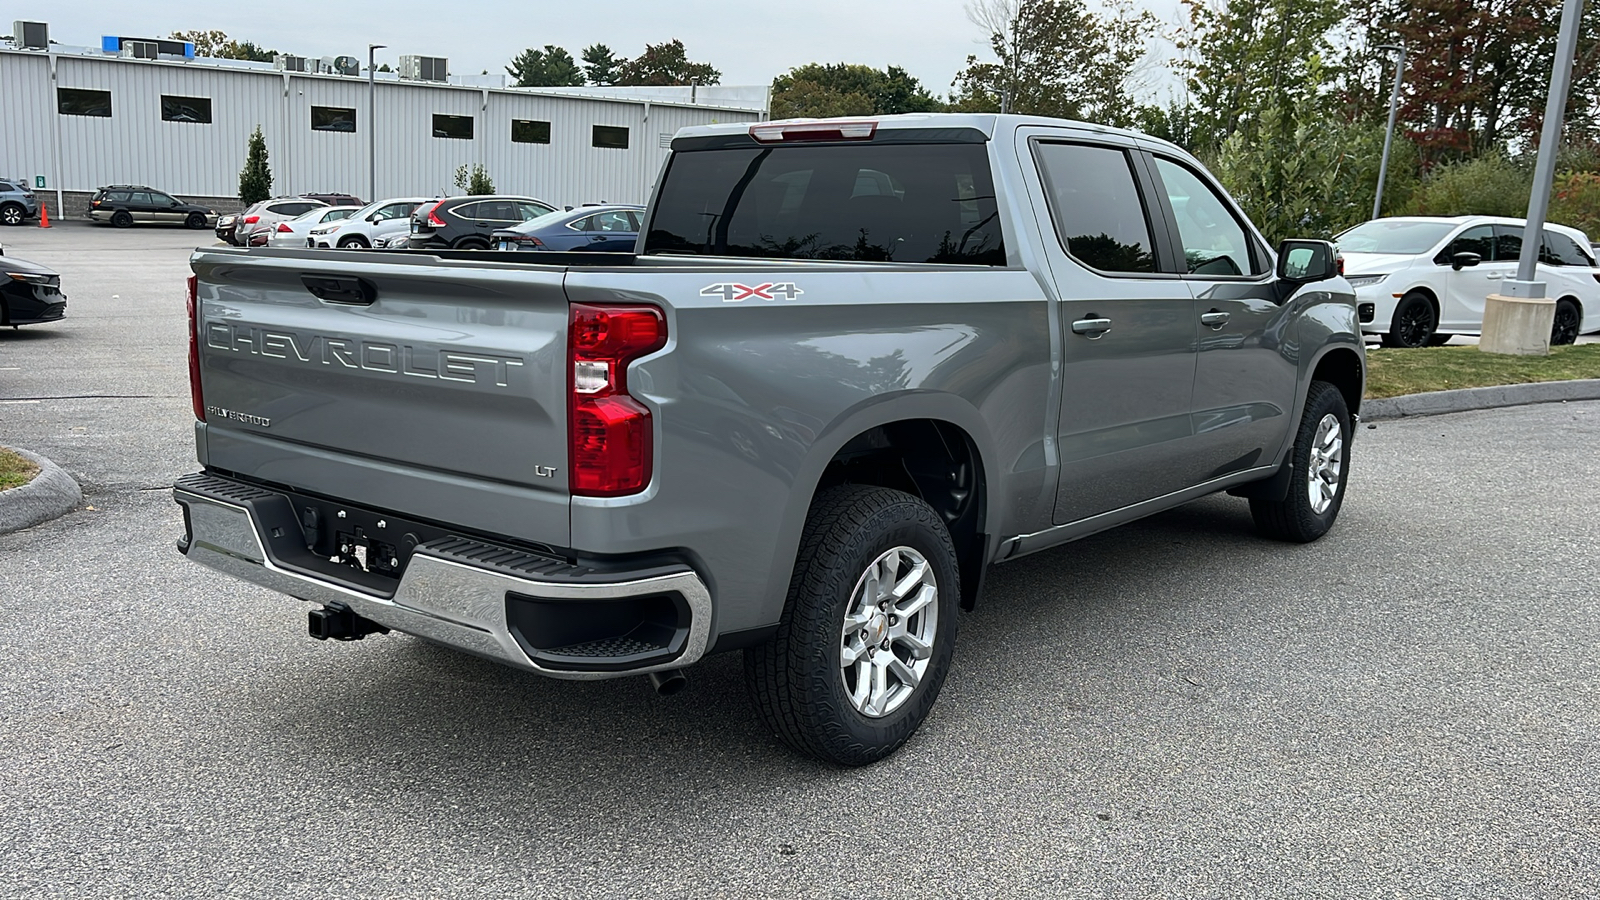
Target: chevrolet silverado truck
(848, 367)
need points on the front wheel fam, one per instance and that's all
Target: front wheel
(195, 220)
(1564, 330)
(1413, 322)
(868, 631)
(356, 242)
(1319, 466)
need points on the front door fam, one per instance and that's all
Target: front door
(1467, 288)
(1247, 363)
(1127, 331)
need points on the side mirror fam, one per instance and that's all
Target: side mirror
(1302, 262)
(1464, 259)
(375, 217)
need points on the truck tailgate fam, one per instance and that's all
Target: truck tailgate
(389, 382)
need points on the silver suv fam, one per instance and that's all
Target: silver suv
(17, 203)
(259, 221)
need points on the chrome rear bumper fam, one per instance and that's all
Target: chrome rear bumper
(444, 594)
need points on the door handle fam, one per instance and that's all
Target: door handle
(1494, 276)
(1215, 318)
(1093, 327)
(357, 291)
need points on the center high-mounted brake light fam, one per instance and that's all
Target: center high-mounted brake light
(609, 432)
(816, 130)
(195, 397)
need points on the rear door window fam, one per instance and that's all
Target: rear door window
(139, 198)
(1507, 243)
(1095, 204)
(909, 203)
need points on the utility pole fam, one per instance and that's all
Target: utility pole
(1388, 136)
(372, 122)
(1518, 321)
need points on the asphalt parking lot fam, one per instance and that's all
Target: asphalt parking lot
(1407, 708)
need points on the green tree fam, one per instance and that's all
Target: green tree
(255, 180)
(475, 182)
(550, 67)
(601, 65)
(820, 91)
(665, 64)
(215, 44)
(1056, 58)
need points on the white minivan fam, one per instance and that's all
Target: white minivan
(1420, 280)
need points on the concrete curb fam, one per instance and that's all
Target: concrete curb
(50, 494)
(1436, 403)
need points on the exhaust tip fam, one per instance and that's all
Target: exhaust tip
(668, 683)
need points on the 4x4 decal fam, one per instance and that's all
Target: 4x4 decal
(731, 292)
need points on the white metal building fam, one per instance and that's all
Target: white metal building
(82, 118)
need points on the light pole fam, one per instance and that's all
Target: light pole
(372, 122)
(1388, 136)
(1518, 320)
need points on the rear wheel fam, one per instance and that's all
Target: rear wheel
(868, 630)
(195, 220)
(1564, 330)
(13, 214)
(472, 244)
(1319, 465)
(1413, 323)
(353, 242)
(122, 218)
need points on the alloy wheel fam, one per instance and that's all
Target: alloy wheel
(889, 629)
(1325, 467)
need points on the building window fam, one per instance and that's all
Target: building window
(452, 127)
(611, 136)
(75, 102)
(186, 109)
(333, 118)
(526, 132)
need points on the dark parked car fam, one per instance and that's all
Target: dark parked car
(601, 228)
(29, 293)
(469, 223)
(17, 203)
(124, 204)
(337, 199)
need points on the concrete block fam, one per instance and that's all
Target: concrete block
(1517, 326)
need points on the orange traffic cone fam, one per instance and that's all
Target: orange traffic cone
(44, 216)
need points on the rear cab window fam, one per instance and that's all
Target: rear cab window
(898, 198)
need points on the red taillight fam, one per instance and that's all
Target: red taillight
(433, 215)
(1338, 263)
(195, 397)
(609, 432)
(810, 130)
(283, 228)
(251, 220)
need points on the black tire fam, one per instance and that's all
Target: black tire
(796, 680)
(122, 219)
(195, 221)
(354, 242)
(1439, 340)
(13, 214)
(472, 244)
(1413, 323)
(1294, 518)
(1564, 330)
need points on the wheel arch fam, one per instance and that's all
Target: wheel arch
(917, 443)
(1343, 368)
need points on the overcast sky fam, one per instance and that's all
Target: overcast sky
(749, 42)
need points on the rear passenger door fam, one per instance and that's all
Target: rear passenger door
(1127, 328)
(1247, 358)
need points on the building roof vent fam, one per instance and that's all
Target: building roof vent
(424, 68)
(30, 35)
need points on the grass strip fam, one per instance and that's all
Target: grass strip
(14, 470)
(1392, 373)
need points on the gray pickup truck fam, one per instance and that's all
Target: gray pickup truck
(850, 365)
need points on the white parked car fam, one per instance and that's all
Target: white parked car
(255, 225)
(366, 226)
(1420, 280)
(296, 232)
